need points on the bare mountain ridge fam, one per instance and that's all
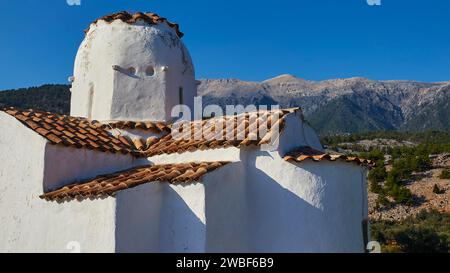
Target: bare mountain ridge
(343, 105)
(331, 106)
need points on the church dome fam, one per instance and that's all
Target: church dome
(132, 67)
(148, 17)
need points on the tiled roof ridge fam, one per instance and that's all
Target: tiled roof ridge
(131, 18)
(110, 184)
(259, 111)
(303, 153)
(250, 133)
(9, 109)
(73, 131)
(154, 126)
(81, 132)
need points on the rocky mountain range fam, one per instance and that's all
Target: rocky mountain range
(332, 106)
(343, 105)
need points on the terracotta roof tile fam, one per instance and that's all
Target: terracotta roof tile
(68, 131)
(303, 153)
(255, 128)
(155, 127)
(245, 129)
(150, 18)
(107, 185)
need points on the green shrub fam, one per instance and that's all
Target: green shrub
(420, 163)
(382, 200)
(374, 155)
(445, 174)
(378, 174)
(375, 187)
(402, 195)
(402, 168)
(418, 239)
(437, 190)
(429, 231)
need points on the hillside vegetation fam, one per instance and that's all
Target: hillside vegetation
(50, 97)
(403, 160)
(409, 188)
(427, 232)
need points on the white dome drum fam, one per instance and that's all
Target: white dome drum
(132, 67)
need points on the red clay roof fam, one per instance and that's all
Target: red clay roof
(150, 18)
(155, 127)
(254, 128)
(303, 153)
(73, 131)
(108, 185)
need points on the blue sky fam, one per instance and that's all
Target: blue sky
(249, 40)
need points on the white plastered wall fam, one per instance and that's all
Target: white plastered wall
(259, 204)
(30, 224)
(161, 217)
(231, 154)
(68, 165)
(200, 216)
(227, 209)
(295, 133)
(305, 207)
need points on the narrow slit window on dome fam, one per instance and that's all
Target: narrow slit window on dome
(180, 95)
(150, 71)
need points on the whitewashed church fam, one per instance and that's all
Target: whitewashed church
(112, 177)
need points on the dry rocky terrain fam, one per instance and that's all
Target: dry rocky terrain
(422, 188)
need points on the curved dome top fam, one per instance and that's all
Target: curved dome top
(148, 17)
(132, 67)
